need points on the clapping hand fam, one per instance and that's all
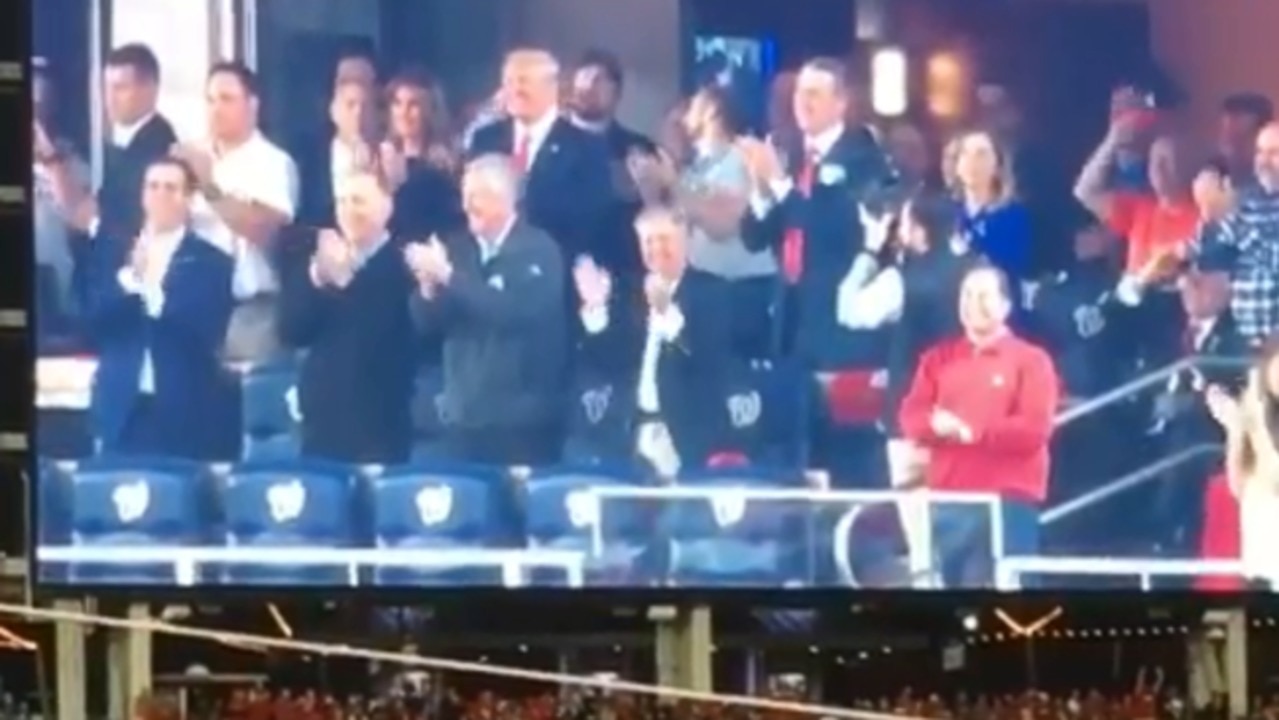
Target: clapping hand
(876, 230)
(198, 158)
(43, 150)
(947, 424)
(1224, 408)
(393, 164)
(594, 284)
(334, 260)
(657, 290)
(140, 259)
(429, 262)
(762, 160)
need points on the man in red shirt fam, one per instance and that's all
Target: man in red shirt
(983, 406)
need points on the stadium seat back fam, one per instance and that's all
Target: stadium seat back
(301, 503)
(768, 406)
(269, 411)
(600, 422)
(439, 504)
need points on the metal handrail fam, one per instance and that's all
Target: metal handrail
(1126, 482)
(1150, 379)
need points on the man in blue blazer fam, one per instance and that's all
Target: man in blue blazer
(158, 322)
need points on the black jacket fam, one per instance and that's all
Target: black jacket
(357, 377)
(504, 330)
(692, 370)
(930, 314)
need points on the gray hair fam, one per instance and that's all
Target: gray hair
(495, 172)
(661, 215)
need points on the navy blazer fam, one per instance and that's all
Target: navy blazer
(568, 191)
(692, 370)
(184, 341)
(854, 171)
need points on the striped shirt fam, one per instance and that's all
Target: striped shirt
(1252, 231)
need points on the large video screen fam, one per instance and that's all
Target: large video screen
(472, 332)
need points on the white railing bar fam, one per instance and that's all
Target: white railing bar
(1035, 565)
(1124, 483)
(1150, 379)
(817, 495)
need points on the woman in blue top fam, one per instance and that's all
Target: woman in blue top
(992, 219)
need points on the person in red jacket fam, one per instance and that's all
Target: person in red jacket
(983, 405)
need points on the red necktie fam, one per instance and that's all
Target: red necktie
(523, 143)
(793, 242)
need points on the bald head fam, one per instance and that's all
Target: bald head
(363, 206)
(1267, 158)
(530, 84)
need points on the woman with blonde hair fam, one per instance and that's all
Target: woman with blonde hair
(1251, 423)
(978, 170)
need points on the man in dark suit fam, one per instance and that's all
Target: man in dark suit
(567, 188)
(806, 209)
(350, 147)
(138, 134)
(671, 346)
(496, 296)
(346, 308)
(159, 320)
(598, 82)
(1182, 419)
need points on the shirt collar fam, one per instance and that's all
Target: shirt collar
(490, 246)
(168, 238)
(372, 248)
(993, 345)
(537, 130)
(122, 135)
(822, 142)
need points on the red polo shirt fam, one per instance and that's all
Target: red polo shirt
(1007, 393)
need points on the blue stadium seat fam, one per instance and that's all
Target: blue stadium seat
(290, 504)
(129, 503)
(428, 405)
(448, 506)
(768, 409)
(562, 516)
(729, 542)
(269, 419)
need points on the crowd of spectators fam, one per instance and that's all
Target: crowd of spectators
(545, 285)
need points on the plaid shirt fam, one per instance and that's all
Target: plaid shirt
(1252, 231)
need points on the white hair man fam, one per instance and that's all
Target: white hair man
(678, 359)
(567, 185)
(496, 295)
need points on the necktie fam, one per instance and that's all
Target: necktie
(523, 143)
(793, 242)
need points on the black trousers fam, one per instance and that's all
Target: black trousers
(535, 445)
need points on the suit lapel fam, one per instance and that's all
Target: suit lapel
(183, 255)
(545, 157)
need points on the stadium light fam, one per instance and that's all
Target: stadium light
(890, 82)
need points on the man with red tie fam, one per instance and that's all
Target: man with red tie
(567, 182)
(805, 208)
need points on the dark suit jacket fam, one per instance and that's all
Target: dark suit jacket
(356, 382)
(504, 330)
(854, 170)
(692, 370)
(315, 182)
(184, 343)
(120, 202)
(427, 203)
(568, 191)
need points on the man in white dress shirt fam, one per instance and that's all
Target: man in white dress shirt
(673, 345)
(158, 323)
(248, 191)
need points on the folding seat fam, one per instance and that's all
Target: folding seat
(300, 505)
(269, 411)
(442, 506)
(768, 408)
(564, 515)
(123, 504)
(727, 540)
